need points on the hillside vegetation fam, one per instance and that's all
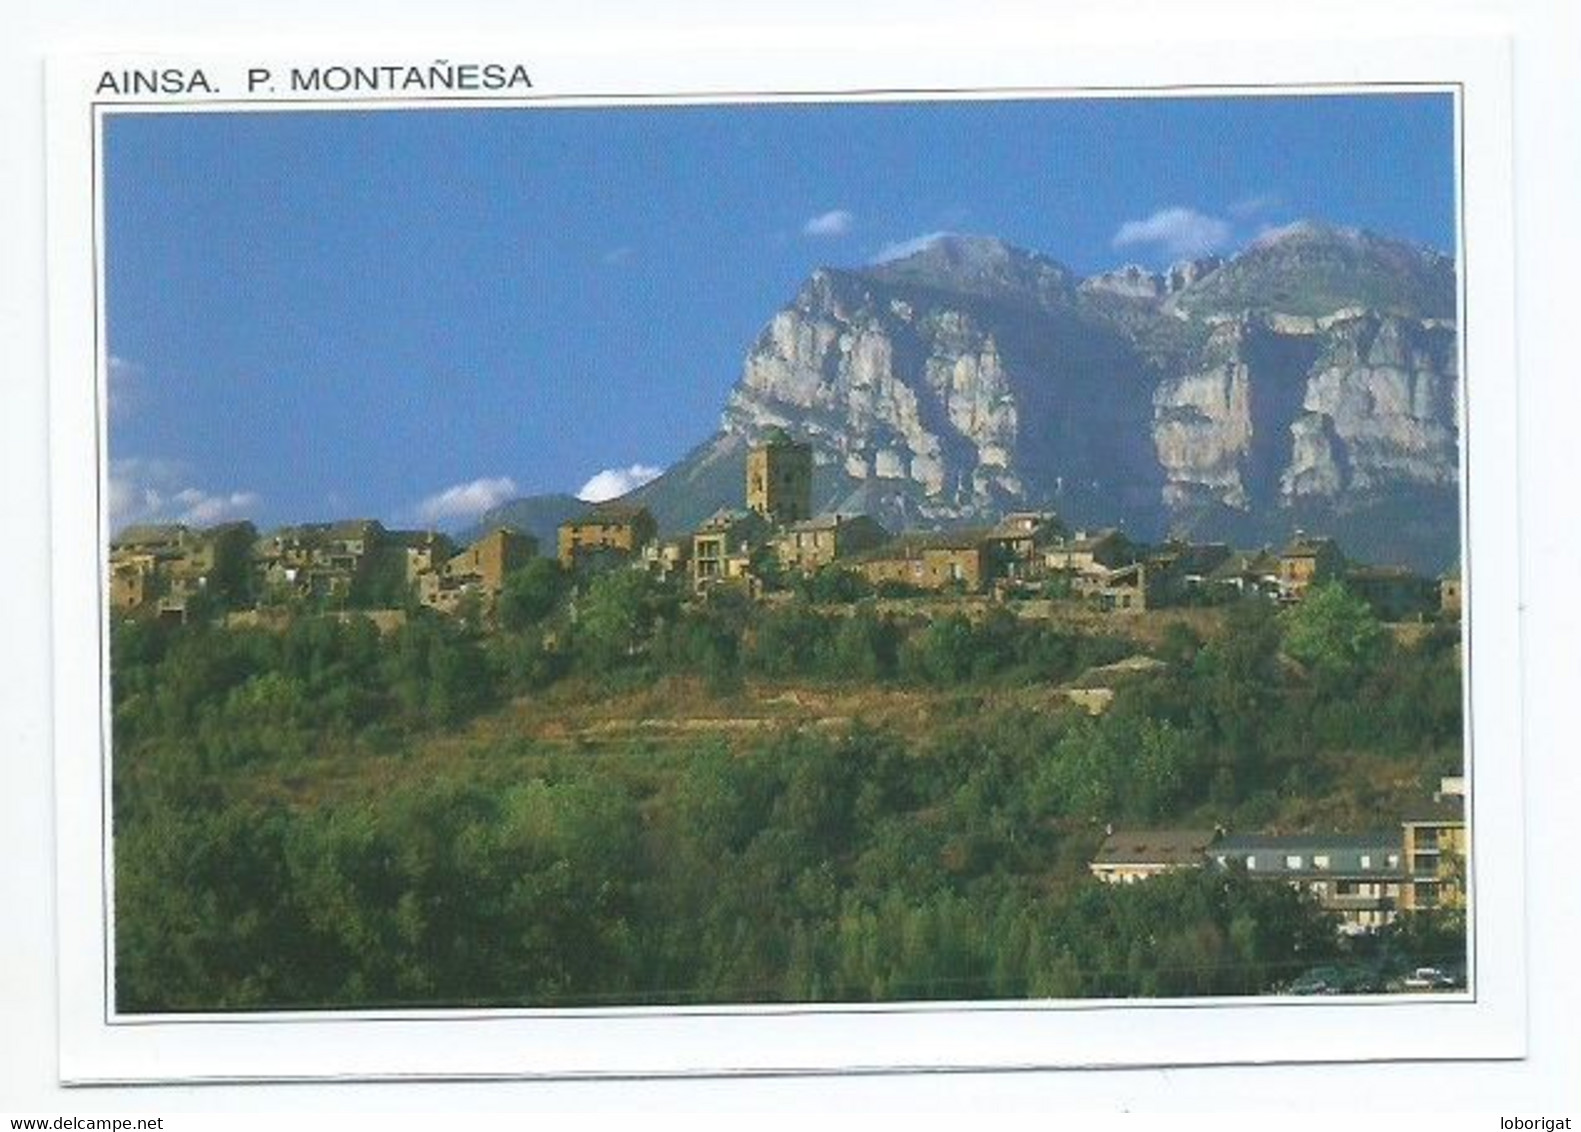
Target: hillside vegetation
(652, 802)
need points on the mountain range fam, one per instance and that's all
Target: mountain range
(1310, 381)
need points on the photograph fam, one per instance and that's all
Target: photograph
(753, 552)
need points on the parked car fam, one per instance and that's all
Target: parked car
(1428, 978)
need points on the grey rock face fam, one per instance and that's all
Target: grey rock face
(1349, 405)
(972, 378)
(886, 390)
(1380, 410)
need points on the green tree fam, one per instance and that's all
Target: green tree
(615, 619)
(531, 594)
(1335, 635)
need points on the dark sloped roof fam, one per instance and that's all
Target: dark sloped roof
(148, 534)
(1154, 847)
(1308, 547)
(1246, 563)
(831, 522)
(913, 544)
(354, 528)
(1308, 842)
(1444, 809)
(611, 511)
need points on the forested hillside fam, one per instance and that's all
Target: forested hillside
(646, 801)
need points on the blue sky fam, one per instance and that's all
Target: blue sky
(409, 314)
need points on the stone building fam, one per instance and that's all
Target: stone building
(478, 571)
(162, 567)
(1248, 572)
(1307, 562)
(1093, 553)
(722, 547)
(1127, 856)
(930, 561)
(318, 560)
(608, 534)
(423, 552)
(1016, 545)
(667, 559)
(779, 478)
(811, 544)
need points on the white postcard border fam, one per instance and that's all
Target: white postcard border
(97, 1046)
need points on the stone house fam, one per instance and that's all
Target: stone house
(1307, 562)
(491, 558)
(1127, 589)
(320, 560)
(1090, 554)
(930, 561)
(478, 571)
(1247, 572)
(317, 560)
(1128, 856)
(1016, 545)
(163, 566)
(608, 534)
(667, 559)
(722, 547)
(422, 552)
(134, 580)
(811, 544)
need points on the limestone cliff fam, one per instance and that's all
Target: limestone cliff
(1313, 375)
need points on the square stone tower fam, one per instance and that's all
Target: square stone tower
(779, 478)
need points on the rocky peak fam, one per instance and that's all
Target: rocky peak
(1129, 282)
(979, 267)
(1314, 269)
(1187, 271)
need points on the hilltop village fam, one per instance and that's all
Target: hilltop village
(173, 571)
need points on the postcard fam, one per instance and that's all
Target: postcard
(577, 565)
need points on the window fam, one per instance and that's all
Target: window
(1394, 860)
(1251, 861)
(1293, 861)
(1366, 860)
(1320, 861)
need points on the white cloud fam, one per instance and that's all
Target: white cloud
(1178, 232)
(900, 249)
(612, 483)
(837, 222)
(161, 491)
(465, 501)
(123, 385)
